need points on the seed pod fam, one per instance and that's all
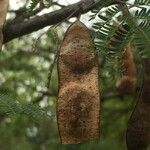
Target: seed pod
(3, 12)
(138, 130)
(127, 83)
(78, 103)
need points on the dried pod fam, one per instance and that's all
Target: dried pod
(78, 103)
(127, 83)
(3, 12)
(138, 130)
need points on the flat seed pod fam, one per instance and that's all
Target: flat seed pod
(127, 83)
(78, 102)
(3, 12)
(138, 131)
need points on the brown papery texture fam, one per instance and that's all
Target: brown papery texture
(78, 102)
(127, 83)
(3, 12)
(138, 131)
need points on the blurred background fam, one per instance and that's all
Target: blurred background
(25, 65)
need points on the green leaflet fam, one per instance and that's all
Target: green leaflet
(10, 107)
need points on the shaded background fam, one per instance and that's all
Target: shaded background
(24, 71)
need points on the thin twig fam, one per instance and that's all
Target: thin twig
(51, 67)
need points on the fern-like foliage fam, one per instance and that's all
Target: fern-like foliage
(10, 107)
(113, 30)
(143, 14)
(142, 2)
(142, 32)
(34, 112)
(33, 4)
(111, 36)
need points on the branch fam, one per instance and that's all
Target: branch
(28, 14)
(14, 30)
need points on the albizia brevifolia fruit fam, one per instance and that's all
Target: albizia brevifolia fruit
(78, 103)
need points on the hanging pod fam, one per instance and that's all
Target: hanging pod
(78, 102)
(138, 130)
(127, 83)
(3, 12)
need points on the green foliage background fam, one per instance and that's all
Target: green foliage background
(28, 116)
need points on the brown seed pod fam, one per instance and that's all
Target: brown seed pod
(3, 12)
(78, 103)
(127, 83)
(138, 130)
